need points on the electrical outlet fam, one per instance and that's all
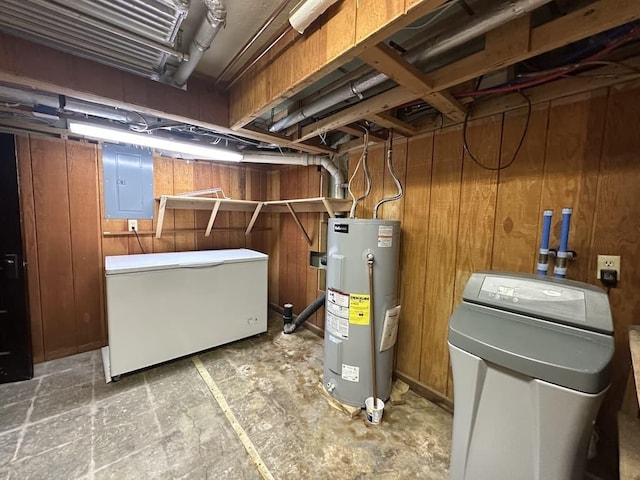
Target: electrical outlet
(608, 262)
(133, 225)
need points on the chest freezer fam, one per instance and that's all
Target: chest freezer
(163, 306)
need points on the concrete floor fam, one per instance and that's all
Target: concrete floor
(67, 423)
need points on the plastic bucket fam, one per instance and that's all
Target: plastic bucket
(374, 412)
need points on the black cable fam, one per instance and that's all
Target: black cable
(515, 154)
(135, 232)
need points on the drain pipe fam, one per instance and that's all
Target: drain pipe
(214, 20)
(543, 255)
(560, 269)
(490, 17)
(304, 316)
(303, 159)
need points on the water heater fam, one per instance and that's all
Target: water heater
(354, 248)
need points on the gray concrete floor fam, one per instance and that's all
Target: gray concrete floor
(67, 423)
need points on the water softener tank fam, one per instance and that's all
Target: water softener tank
(347, 341)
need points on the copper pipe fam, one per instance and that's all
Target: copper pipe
(253, 39)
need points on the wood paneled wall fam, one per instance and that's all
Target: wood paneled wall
(64, 233)
(457, 218)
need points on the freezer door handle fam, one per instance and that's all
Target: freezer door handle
(202, 265)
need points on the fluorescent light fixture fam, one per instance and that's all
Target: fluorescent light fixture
(144, 140)
(305, 12)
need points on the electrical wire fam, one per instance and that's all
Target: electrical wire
(396, 180)
(362, 160)
(520, 143)
(432, 20)
(135, 232)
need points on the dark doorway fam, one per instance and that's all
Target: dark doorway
(15, 345)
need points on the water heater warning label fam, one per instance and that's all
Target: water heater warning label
(337, 313)
(359, 308)
(385, 236)
(350, 373)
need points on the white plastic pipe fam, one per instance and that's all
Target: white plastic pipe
(303, 159)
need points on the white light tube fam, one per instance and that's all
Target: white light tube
(118, 135)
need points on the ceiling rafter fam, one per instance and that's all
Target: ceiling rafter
(385, 119)
(500, 51)
(357, 131)
(386, 60)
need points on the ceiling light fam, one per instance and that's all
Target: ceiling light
(305, 12)
(145, 140)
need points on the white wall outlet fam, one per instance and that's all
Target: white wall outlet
(133, 225)
(608, 262)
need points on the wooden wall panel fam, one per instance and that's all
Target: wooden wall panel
(55, 260)
(183, 181)
(203, 179)
(518, 222)
(571, 171)
(616, 230)
(221, 179)
(29, 227)
(67, 237)
(163, 184)
(86, 248)
(414, 254)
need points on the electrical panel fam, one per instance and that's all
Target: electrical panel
(128, 181)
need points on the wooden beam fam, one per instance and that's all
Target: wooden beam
(385, 119)
(597, 17)
(254, 217)
(386, 60)
(356, 131)
(347, 30)
(162, 208)
(299, 223)
(212, 218)
(283, 141)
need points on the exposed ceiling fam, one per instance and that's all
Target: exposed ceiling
(408, 56)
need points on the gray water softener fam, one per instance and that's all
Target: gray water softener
(358, 251)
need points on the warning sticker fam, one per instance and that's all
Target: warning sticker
(337, 326)
(338, 298)
(385, 236)
(350, 373)
(359, 308)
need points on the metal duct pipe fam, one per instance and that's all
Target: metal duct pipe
(303, 159)
(213, 21)
(60, 102)
(491, 16)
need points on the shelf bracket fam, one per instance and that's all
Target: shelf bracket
(212, 218)
(300, 226)
(254, 217)
(161, 209)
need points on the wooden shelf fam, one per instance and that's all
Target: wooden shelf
(215, 205)
(629, 444)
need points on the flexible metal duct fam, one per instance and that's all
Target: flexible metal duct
(303, 159)
(133, 35)
(213, 21)
(490, 15)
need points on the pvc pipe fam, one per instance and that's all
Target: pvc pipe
(560, 269)
(543, 255)
(306, 313)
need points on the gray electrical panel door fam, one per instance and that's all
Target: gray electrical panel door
(128, 181)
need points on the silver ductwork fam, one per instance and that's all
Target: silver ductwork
(489, 16)
(303, 159)
(213, 21)
(137, 36)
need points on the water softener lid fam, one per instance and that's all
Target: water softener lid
(559, 354)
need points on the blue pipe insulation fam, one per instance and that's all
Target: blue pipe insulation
(543, 257)
(560, 270)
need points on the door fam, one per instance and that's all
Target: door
(15, 345)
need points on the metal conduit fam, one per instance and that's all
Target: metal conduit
(490, 16)
(214, 20)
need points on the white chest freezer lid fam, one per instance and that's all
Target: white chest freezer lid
(118, 264)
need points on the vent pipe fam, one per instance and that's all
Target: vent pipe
(488, 18)
(303, 159)
(214, 20)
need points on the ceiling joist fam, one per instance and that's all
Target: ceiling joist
(505, 46)
(385, 119)
(386, 60)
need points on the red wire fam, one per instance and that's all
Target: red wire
(561, 71)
